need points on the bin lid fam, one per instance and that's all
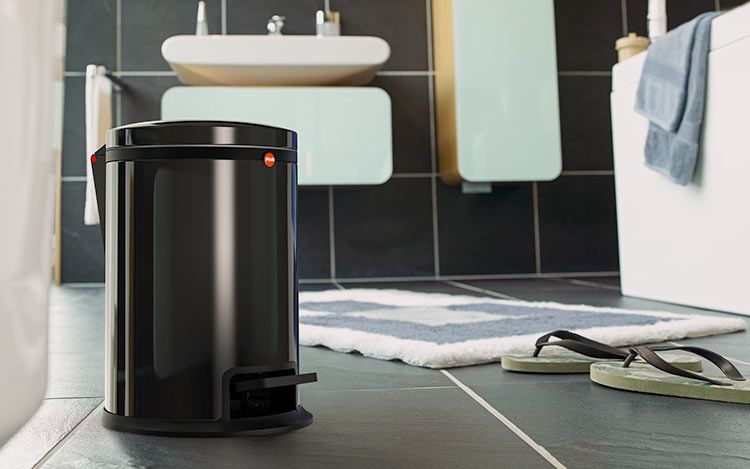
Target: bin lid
(199, 133)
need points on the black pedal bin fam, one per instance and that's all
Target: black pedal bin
(199, 223)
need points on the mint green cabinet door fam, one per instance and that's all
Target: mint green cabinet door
(344, 132)
(503, 86)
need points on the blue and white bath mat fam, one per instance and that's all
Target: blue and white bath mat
(439, 331)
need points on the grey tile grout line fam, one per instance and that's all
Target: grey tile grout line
(540, 450)
(588, 172)
(337, 285)
(671, 342)
(537, 232)
(433, 147)
(118, 59)
(409, 388)
(318, 281)
(586, 283)
(624, 13)
(584, 73)
(412, 175)
(393, 73)
(331, 235)
(405, 73)
(71, 397)
(118, 35)
(484, 291)
(717, 5)
(48, 455)
(428, 24)
(434, 176)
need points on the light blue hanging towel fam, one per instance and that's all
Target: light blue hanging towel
(672, 94)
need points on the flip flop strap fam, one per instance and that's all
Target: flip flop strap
(650, 357)
(579, 344)
(726, 367)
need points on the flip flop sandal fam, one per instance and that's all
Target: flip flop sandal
(657, 376)
(590, 351)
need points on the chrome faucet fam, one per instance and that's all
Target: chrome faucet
(327, 22)
(275, 25)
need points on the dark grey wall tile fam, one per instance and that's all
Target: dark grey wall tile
(251, 16)
(74, 128)
(486, 233)
(678, 12)
(384, 230)
(82, 246)
(410, 108)
(727, 4)
(314, 249)
(403, 23)
(91, 34)
(141, 99)
(585, 122)
(147, 23)
(578, 224)
(586, 33)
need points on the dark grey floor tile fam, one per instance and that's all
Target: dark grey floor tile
(586, 33)
(147, 23)
(734, 347)
(76, 320)
(314, 247)
(82, 246)
(587, 425)
(578, 224)
(75, 374)
(410, 109)
(141, 100)
(486, 233)
(585, 122)
(402, 23)
(91, 34)
(352, 371)
(384, 231)
(565, 292)
(54, 419)
(381, 428)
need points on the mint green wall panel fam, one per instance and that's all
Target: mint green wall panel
(507, 112)
(344, 132)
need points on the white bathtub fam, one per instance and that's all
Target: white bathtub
(690, 245)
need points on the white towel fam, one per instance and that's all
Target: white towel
(98, 121)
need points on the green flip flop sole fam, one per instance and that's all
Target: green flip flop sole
(563, 364)
(641, 377)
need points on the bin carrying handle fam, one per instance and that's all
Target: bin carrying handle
(99, 171)
(274, 382)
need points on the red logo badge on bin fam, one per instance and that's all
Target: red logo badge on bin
(269, 159)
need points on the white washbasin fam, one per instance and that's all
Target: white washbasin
(254, 60)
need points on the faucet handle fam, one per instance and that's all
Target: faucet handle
(275, 25)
